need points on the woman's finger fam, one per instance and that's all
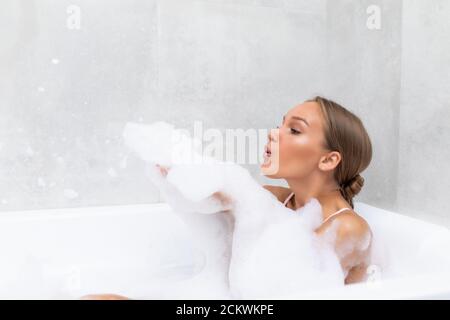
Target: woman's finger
(163, 170)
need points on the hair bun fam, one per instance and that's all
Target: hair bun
(353, 186)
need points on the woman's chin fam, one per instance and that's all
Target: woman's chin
(268, 169)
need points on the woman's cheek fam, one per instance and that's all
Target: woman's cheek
(289, 163)
(299, 159)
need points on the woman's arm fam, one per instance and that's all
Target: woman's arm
(353, 240)
(357, 274)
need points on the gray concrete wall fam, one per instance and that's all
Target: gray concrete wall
(66, 93)
(229, 64)
(364, 70)
(424, 176)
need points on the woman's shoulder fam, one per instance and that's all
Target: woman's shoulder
(280, 192)
(352, 225)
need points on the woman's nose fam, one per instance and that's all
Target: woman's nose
(273, 134)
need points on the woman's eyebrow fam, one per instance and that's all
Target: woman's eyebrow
(301, 119)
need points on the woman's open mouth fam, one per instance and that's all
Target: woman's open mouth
(267, 155)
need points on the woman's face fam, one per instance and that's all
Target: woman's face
(295, 148)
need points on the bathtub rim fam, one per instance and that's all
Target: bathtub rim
(146, 208)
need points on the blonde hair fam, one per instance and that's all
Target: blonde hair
(345, 133)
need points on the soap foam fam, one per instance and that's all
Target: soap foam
(255, 246)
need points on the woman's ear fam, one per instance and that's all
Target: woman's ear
(330, 161)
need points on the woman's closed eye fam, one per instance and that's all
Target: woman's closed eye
(295, 131)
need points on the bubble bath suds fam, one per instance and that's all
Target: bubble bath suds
(254, 247)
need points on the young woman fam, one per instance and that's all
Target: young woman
(320, 150)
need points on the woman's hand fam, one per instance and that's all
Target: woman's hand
(225, 201)
(163, 170)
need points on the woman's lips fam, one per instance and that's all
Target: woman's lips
(267, 151)
(267, 155)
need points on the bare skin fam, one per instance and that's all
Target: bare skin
(296, 153)
(106, 296)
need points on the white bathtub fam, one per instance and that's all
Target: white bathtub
(66, 253)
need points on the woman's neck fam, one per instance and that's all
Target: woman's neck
(327, 194)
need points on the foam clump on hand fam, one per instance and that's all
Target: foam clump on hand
(160, 143)
(197, 181)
